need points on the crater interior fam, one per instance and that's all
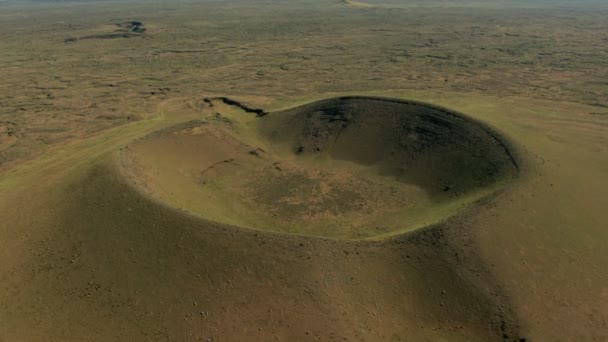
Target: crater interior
(345, 168)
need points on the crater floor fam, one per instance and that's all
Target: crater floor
(346, 168)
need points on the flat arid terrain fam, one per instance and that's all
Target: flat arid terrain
(315, 170)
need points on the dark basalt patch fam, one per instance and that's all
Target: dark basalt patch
(231, 102)
(127, 29)
(132, 26)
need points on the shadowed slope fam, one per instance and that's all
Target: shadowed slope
(430, 147)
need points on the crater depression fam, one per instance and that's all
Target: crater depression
(345, 168)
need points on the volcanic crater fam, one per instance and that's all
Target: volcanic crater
(343, 168)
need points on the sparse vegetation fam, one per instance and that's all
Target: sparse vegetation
(301, 170)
